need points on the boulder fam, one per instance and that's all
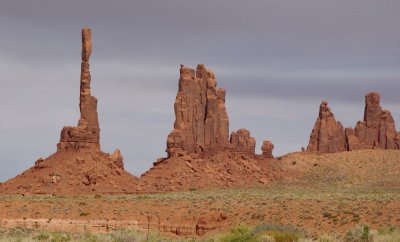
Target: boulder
(267, 148)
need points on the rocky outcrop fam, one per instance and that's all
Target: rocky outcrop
(242, 142)
(117, 158)
(267, 148)
(87, 134)
(352, 142)
(328, 135)
(201, 121)
(377, 130)
(78, 166)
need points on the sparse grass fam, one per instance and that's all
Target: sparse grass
(27, 235)
(240, 233)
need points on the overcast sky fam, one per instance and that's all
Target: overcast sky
(277, 60)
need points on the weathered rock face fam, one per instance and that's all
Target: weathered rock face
(352, 142)
(87, 134)
(328, 135)
(267, 148)
(378, 128)
(242, 142)
(201, 124)
(117, 158)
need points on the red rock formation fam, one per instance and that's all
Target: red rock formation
(87, 134)
(267, 148)
(78, 166)
(201, 121)
(327, 136)
(378, 128)
(200, 152)
(352, 142)
(242, 142)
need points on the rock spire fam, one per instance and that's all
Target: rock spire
(201, 121)
(377, 130)
(327, 135)
(87, 134)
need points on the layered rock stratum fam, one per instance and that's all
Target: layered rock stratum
(78, 166)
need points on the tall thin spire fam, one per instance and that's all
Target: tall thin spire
(87, 134)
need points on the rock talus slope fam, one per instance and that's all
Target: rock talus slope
(78, 166)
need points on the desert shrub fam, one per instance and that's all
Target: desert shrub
(361, 233)
(60, 237)
(279, 232)
(15, 234)
(239, 233)
(42, 236)
(84, 214)
(327, 238)
(124, 235)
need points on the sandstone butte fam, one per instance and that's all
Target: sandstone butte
(376, 131)
(78, 166)
(201, 153)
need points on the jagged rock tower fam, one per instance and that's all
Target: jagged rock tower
(328, 134)
(378, 128)
(87, 134)
(201, 121)
(376, 131)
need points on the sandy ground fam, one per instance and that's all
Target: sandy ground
(331, 194)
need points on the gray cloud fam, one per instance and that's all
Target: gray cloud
(277, 59)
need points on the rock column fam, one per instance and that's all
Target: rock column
(87, 134)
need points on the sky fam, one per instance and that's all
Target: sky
(277, 60)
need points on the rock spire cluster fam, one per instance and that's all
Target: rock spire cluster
(201, 121)
(377, 130)
(87, 134)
